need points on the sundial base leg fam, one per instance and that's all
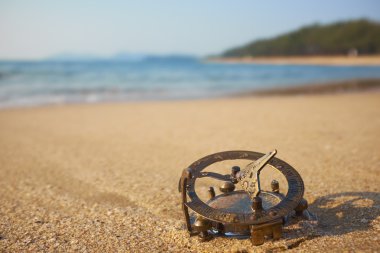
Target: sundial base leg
(277, 231)
(257, 237)
(220, 228)
(260, 232)
(204, 236)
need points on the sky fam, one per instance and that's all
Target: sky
(41, 28)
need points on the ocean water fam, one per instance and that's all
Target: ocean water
(49, 82)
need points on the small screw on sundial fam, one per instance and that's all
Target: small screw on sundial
(275, 185)
(211, 192)
(302, 206)
(227, 187)
(234, 172)
(202, 226)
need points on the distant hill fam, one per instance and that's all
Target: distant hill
(119, 57)
(68, 56)
(350, 37)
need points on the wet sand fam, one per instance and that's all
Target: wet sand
(103, 177)
(373, 60)
(337, 87)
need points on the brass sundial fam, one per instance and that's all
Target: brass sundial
(250, 211)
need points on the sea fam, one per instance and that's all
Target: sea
(34, 83)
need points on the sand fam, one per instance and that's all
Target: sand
(373, 60)
(332, 87)
(103, 177)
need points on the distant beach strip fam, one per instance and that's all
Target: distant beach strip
(373, 60)
(359, 85)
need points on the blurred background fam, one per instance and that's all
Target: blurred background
(58, 52)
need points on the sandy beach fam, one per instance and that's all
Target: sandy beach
(103, 177)
(373, 60)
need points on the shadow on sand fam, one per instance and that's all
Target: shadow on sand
(338, 214)
(346, 212)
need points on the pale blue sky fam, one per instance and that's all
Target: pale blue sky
(34, 29)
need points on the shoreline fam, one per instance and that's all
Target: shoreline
(326, 88)
(332, 88)
(373, 60)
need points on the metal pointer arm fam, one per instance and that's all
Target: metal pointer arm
(249, 177)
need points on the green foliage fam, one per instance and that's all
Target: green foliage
(334, 39)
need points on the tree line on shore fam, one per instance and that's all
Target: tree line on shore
(341, 38)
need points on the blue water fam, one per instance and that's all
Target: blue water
(36, 83)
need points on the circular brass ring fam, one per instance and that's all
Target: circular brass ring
(289, 203)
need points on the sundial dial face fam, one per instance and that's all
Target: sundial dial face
(240, 202)
(246, 210)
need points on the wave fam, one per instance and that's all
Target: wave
(47, 82)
